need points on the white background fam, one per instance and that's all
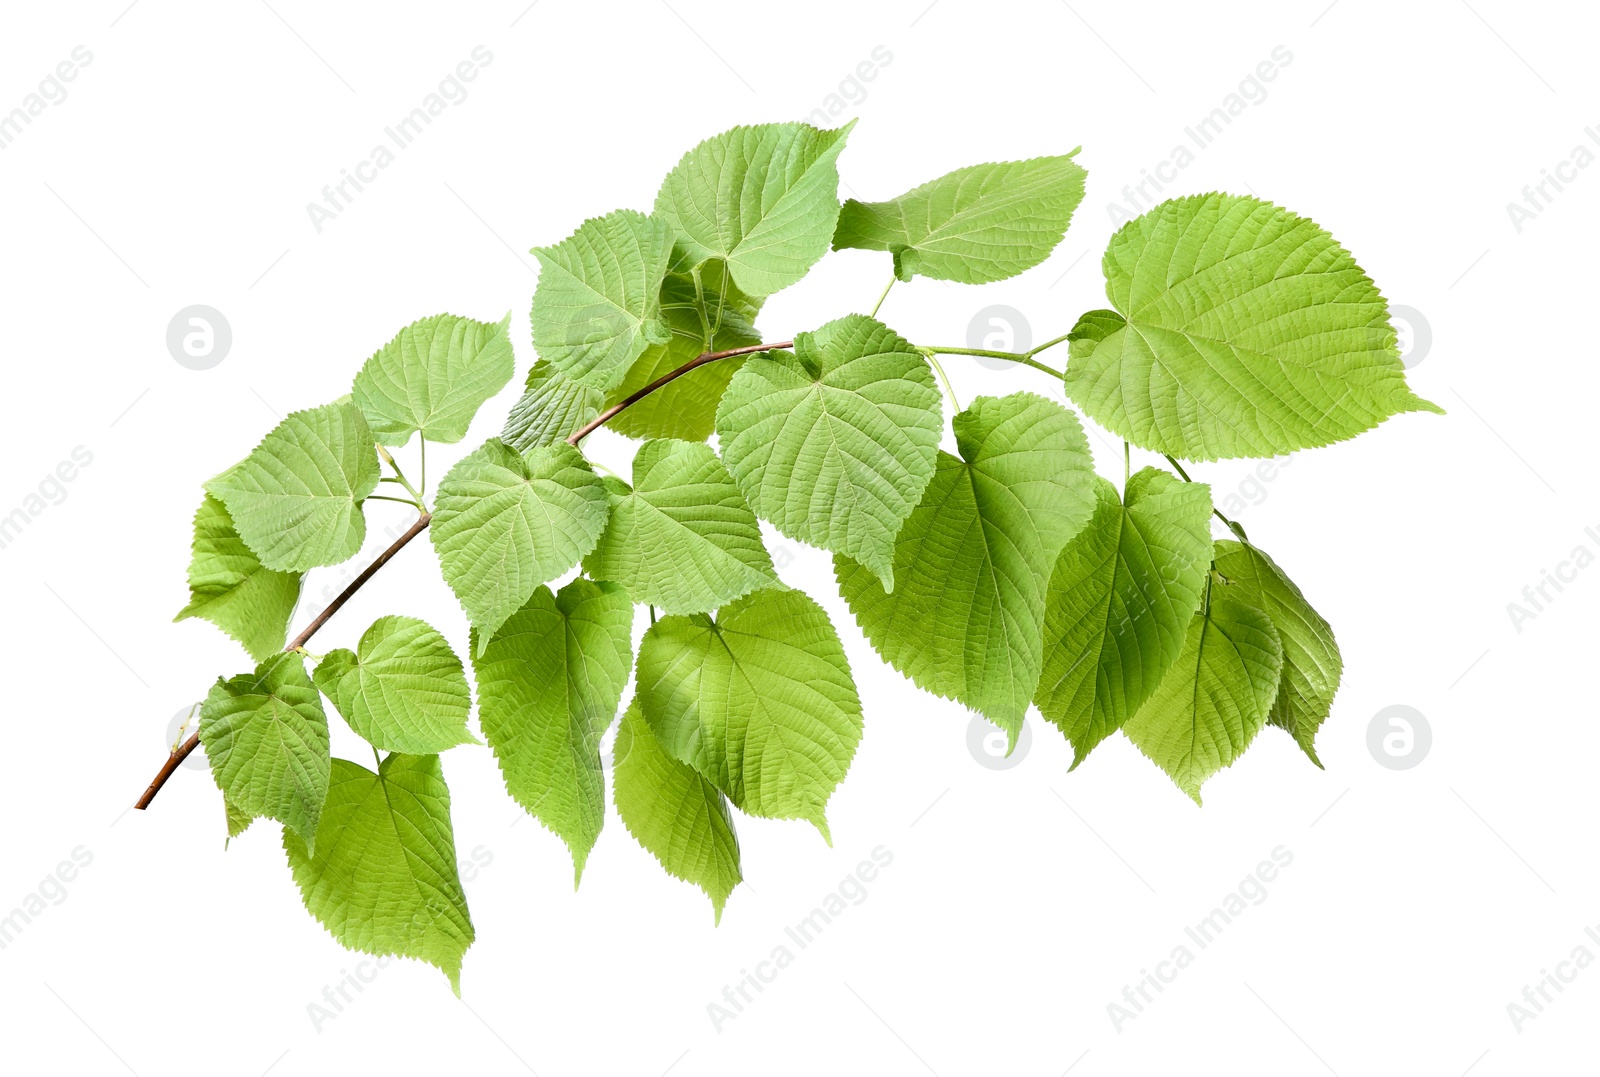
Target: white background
(1020, 901)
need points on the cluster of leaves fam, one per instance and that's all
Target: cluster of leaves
(1003, 574)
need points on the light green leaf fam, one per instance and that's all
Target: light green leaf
(503, 523)
(759, 700)
(1311, 661)
(384, 879)
(239, 820)
(433, 377)
(836, 443)
(296, 499)
(267, 741)
(684, 408)
(403, 690)
(682, 538)
(548, 687)
(966, 617)
(229, 587)
(764, 199)
(974, 225)
(598, 303)
(1119, 604)
(1215, 698)
(1241, 329)
(682, 819)
(552, 408)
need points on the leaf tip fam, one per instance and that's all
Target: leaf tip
(821, 823)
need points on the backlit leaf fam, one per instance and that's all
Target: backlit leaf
(1120, 601)
(681, 538)
(681, 818)
(1311, 662)
(966, 617)
(836, 443)
(296, 499)
(758, 699)
(433, 377)
(383, 879)
(1215, 697)
(1240, 329)
(503, 523)
(549, 685)
(267, 741)
(229, 587)
(974, 225)
(763, 199)
(402, 690)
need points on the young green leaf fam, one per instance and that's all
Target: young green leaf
(552, 407)
(682, 538)
(433, 377)
(1120, 601)
(403, 690)
(759, 700)
(296, 499)
(1311, 662)
(548, 687)
(383, 879)
(685, 407)
(229, 587)
(1241, 329)
(267, 741)
(974, 225)
(1215, 698)
(764, 199)
(836, 443)
(966, 617)
(682, 819)
(598, 302)
(503, 523)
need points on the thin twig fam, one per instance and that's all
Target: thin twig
(183, 750)
(1025, 358)
(672, 375)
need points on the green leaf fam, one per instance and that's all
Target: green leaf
(239, 820)
(759, 700)
(229, 587)
(1120, 601)
(682, 819)
(1311, 662)
(685, 408)
(433, 377)
(548, 687)
(836, 443)
(764, 199)
(552, 408)
(503, 523)
(1215, 698)
(974, 225)
(296, 499)
(598, 303)
(966, 617)
(1241, 329)
(267, 741)
(403, 690)
(383, 879)
(682, 538)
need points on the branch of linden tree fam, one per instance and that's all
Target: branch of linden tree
(183, 751)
